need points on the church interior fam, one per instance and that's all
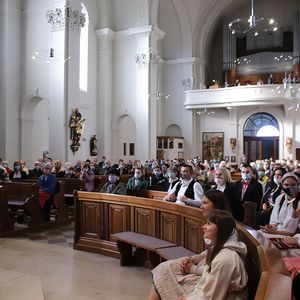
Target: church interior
(138, 80)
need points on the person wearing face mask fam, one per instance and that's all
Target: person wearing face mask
(47, 183)
(172, 178)
(262, 177)
(137, 182)
(114, 186)
(286, 212)
(106, 167)
(17, 172)
(187, 191)
(36, 171)
(157, 181)
(272, 191)
(225, 185)
(248, 188)
(88, 176)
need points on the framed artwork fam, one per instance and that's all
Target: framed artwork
(226, 158)
(180, 155)
(212, 145)
(233, 159)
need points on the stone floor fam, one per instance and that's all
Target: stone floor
(43, 265)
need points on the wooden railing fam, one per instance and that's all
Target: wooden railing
(99, 215)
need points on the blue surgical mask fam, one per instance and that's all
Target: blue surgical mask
(17, 167)
(157, 173)
(246, 176)
(261, 174)
(137, 175)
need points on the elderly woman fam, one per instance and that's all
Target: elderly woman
(216, 274)
(286, 212)
(225, 185)
(17, 172)
(58, 170)
(88, 176)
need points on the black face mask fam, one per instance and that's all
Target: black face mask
(292, 192)
(287, 191)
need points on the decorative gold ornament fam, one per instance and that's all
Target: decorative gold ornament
(76, 128)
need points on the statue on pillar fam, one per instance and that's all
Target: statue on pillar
(93, 145)
(76, 128)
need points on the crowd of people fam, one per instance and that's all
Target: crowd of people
(273, 186)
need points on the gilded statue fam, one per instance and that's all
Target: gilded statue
(76, 127)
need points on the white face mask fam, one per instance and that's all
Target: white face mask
(219, 181)
(277, 180)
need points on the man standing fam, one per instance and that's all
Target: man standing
(248, 188)
(187, 191)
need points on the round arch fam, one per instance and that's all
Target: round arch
(173, 130)
(257, 147)
(124, 137)
(35, 119)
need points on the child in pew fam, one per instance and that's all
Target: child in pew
(222, 277)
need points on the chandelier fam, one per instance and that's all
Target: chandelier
(205, 111)
(49, 56)
(252, 25)
(65, 18)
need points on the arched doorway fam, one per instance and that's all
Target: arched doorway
(261, 137)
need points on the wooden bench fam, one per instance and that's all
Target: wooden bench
(143, 245)
(157, 249)
(174, 252)
(6, 222)
(152, 194)
(274, 286)
(60, 211)
(23, 198)
(71, 185)
(100, 180)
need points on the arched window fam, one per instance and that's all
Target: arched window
(261, 124)
(84, 46)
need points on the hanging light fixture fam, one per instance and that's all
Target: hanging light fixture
(205, 111)
(65, 18)
(253, 25)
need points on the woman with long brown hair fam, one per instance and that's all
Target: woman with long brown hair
(223, 276)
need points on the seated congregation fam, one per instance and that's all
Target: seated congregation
(191, 194)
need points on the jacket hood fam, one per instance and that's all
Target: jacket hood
(233, 244)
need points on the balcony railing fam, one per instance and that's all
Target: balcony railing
(275, 94)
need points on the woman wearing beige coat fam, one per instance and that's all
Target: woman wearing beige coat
(216, 274)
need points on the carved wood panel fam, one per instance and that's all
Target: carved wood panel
(90, 219)
(119, 218)
(170, 228)
(193, 235)
(144, 221)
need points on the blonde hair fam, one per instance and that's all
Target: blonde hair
(226, 174)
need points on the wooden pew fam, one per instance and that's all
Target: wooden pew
(152, 194)
(274, 286)
(144, 247)
(249, 213)
(6, 222)
(60, 210)
(263, 264)
(71, 185)
(100, 180)
(24, 197)
(59, 201)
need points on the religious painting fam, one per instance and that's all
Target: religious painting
(233, 159)
(212, 145)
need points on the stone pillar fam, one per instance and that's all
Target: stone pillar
(105, 74)
(155, 36)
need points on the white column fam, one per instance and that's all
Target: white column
(105, 84)
(155, 35)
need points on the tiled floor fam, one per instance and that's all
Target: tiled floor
(45, 261)
(62, 235)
